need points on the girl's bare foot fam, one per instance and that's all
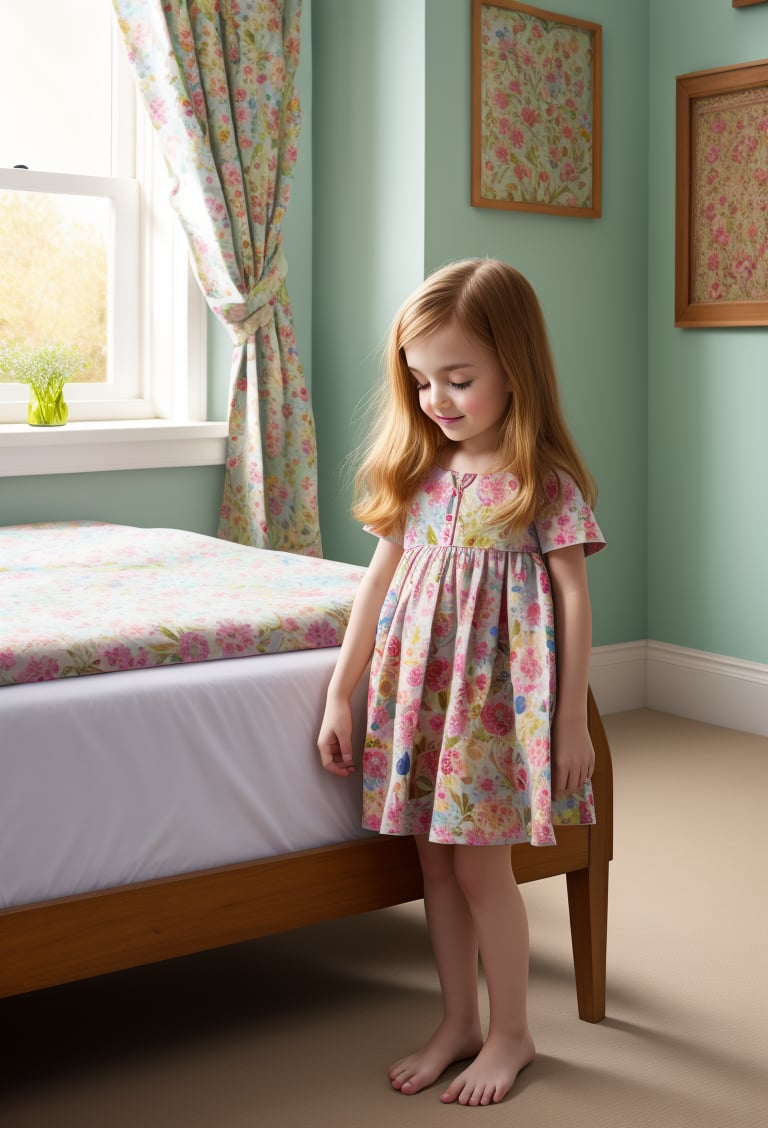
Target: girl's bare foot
(492, 1074)
(449, 1043)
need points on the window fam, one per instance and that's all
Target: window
(92, 252)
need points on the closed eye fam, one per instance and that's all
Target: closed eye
(460, 387)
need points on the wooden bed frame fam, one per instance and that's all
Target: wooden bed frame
(72, 938)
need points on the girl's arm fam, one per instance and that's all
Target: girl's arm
(335, 739)
(573, 758)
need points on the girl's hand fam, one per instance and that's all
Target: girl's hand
(573, 757)
(335, 740)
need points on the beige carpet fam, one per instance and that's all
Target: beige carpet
(298, 1029)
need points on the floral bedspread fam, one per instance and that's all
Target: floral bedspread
(92, 598)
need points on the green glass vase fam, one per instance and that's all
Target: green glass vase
(46, 409)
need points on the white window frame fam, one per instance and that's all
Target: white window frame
(163, 421)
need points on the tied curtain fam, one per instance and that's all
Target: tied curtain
(217, 80)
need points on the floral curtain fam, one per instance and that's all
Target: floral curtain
(217, 78)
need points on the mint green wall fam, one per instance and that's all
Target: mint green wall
(368, 161)
(708, 388)
(590, 274)
(177, 498)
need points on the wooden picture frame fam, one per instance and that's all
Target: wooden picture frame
(721, 206)
(529, 152)
(746, 3)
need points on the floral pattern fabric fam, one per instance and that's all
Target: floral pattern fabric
(537, 128)
(90, 598)
(217, 79)
(463, 674)
(730, 136)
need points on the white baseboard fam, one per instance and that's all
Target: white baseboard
(617, 675)
(708, 687)
(689, 683)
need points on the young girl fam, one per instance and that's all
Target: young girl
(471, 480)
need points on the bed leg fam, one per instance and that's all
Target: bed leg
(588, 908)
(588, 888)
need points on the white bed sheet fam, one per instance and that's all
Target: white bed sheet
(111, 779)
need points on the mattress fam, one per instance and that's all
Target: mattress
(91, 598)
(163, 771)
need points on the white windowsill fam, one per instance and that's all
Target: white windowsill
(138, 444)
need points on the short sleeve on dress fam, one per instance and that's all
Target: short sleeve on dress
(566, 519)
(392, 540)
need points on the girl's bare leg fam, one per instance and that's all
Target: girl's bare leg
(452, 934)
(484, 874)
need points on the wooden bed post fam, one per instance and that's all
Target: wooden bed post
(588, 888)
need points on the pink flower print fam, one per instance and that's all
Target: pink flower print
(568, 172)
(543, 801)
(119, 657)
(320, 634)
(193, 647)
(538, 752)
(530, 665)
(157, 111)
(437, 722)
(458, 720)
(438, 675)
(40, 669)
(517, 138)
(375, 763)
(713, 262)
(394, 815)
(530, 116)
(718, 125)
(233, 638)
(442, 626)
(407, 727)
(498, 718)
(486, 784)
(721, 236)
(491, 490)
(533, 614)
(450, 763)
(7, 659)
(415, 676)
(500, 99)
(393, 646)
(522, 172)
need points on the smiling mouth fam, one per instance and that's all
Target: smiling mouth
(445, 419)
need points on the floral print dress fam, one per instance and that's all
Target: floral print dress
(462, 679)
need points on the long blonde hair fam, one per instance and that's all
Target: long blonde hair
(496, 305)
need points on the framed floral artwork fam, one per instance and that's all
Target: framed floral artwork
(536, 110)
(746, 3)
(721, 209)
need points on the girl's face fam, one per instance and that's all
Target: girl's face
(462, 387)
